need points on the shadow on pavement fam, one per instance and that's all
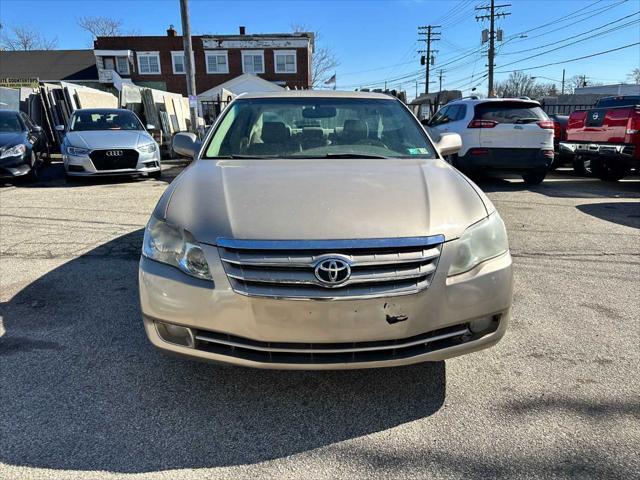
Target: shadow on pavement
(623, 213)
(563, 184)
(82, 389)
(52, 176)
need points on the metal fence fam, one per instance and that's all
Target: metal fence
(564, 108)
(211, 109)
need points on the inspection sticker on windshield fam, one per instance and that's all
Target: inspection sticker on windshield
(418, 151)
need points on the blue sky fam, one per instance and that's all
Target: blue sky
(376, 41)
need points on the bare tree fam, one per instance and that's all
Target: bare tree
(103, 27)
(634, 76)
(324, 60)
(26, 38)
(520, 84)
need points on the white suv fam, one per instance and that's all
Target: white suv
(498, 135)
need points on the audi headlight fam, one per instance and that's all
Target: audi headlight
(480, 242)
(77, 151)
(150, 148)
(14, 151)
(174, 246)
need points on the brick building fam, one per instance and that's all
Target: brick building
(158, 61)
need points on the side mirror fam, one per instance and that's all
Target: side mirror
(449, 144)
(185, 144)
(150, 126)
(60, 128)
(37, 128)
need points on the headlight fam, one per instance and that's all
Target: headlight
(13, 151)
(76, 151)
(148, 148)
(480, 242)
(174, 246)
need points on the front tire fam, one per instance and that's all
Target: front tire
(156, 175)
(534, 178)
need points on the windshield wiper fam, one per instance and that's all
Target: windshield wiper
(353, 155)
(245, 157)
(527, 120)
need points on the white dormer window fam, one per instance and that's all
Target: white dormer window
(148, 63)
(177, 61)
(253, 61)
(122, 65)
(217, 61)
(285, 61)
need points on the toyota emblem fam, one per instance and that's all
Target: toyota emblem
(114, 153)
(332, 271)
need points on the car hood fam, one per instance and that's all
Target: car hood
(9, 139)
(321, 199)
(108, 139)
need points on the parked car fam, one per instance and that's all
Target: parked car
(23, 146)
(607, 137)
(559, 135)
(323, 230)
(499, 135)
(109, 141)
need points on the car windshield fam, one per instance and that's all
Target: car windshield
(104, 120)
(318, 128)
(10, 123)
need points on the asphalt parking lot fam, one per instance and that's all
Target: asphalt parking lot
(84, 395)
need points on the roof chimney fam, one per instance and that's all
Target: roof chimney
(242, 30)
(171, 32)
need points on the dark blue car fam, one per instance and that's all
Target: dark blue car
(23, 146)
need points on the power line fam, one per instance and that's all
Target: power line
(578, 35)
(563, 46)
(572, 59)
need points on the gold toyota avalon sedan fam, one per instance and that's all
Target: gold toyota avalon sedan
(318, 230)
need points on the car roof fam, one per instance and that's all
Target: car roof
(477, 101)
(101, 110)
(318, 94)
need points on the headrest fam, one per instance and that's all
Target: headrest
(275, 132)
(355, 129)
(313, 132)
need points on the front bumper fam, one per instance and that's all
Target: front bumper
(290, 334)
(620, 152)
(15, 166)
(82, 166)
(505, 160)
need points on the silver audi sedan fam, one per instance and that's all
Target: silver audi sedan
(109, 141)
(321, 230)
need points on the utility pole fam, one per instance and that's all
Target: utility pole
(492, 35)
(562, 91)
(429, 59)
(189, 65)
(440, 78)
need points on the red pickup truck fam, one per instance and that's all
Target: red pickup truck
(607, 136)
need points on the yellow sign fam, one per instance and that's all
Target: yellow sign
(19, 82)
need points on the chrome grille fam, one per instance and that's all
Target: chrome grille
(379, 267)
(314, 353)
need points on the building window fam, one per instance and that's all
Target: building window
(217, 61)
(122, 65)
(285, 61)
(253, 61)
(177, 60)
(148, 63)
